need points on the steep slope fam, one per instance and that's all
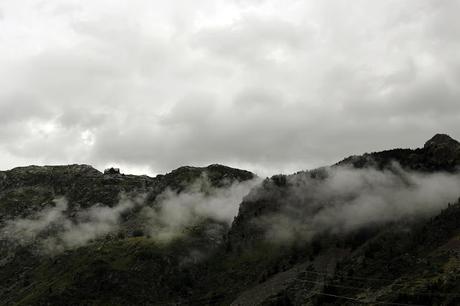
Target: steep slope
(399, 248)
(440, 154)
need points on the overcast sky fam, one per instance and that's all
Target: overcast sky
(270, 86)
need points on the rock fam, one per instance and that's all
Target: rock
(442, 140)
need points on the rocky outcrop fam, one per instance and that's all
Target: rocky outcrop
(440, 153)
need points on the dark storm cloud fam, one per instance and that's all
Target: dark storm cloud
(267, 85)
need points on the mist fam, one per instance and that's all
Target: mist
(170, 215)
(173, 213)
(342, 199)
(328, 200)
(54, 230)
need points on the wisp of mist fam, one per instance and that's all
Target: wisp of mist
(345, 199)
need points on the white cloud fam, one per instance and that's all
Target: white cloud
(53, 230)
(174, 213)
(346, 199)
(61, 226)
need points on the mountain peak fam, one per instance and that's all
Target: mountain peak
(441, 140)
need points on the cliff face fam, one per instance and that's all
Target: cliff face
(370, 229)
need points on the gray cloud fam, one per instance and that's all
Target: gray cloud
(267, 85)
(20, 108)
(254, 41)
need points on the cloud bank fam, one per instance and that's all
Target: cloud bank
(345, 199)
(328, 200)
(55, 231)
(173, 214)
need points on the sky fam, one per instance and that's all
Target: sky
(272, 86)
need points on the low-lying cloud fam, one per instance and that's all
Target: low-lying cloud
(345, 199)
(55, 230)
(329, 200)
(59, 227)
(173, 213)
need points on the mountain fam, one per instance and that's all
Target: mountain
(440, 153)
(380, 228)
(122, 264)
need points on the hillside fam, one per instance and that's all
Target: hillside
(380, 228)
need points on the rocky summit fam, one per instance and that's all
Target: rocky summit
(442, 140)
(380, 228)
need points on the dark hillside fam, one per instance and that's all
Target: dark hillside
(371, 229)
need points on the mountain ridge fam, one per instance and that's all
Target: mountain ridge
(441, 139)
(439, 153)
(213, 262)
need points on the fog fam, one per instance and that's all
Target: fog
(54, 230)
(174, 212)
(342, 199)
(327, 200)
(60, 227)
